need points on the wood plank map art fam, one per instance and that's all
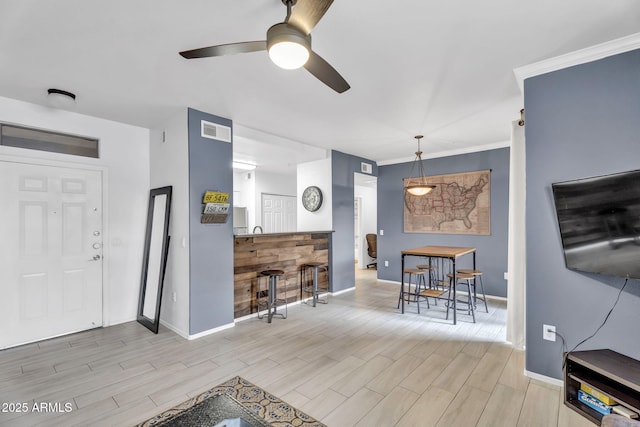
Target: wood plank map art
(460, 204)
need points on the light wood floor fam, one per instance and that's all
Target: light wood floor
(353, 362)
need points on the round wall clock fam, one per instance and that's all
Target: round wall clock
(312, 198)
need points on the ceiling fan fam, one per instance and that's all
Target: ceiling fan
(288, 43)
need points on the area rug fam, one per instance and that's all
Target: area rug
(236, 398)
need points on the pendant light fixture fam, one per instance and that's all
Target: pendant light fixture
(418, 186)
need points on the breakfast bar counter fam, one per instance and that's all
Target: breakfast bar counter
(288, 251)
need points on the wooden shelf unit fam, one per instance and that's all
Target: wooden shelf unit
(611, 373)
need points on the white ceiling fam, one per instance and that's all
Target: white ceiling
(443, 69)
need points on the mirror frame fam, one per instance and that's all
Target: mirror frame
(153, 324)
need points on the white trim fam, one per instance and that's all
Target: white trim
(454, 152)
(395, 282)
(344, 291)
(174, 329)
(543, 378)
(104, 177)
(211, 331)
(582, 56)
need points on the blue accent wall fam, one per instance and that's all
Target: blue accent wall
(581, 121)
(343, 166)
(211, 245)
(491, 255)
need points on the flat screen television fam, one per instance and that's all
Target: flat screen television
(599, 220)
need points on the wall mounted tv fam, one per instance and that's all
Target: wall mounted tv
(599, 220)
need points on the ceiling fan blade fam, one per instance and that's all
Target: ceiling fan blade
(307, 13)
(225, 49)
(326, 73)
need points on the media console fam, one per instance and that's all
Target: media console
(610, 374)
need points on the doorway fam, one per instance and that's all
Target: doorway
(51, 256)
(365, 194)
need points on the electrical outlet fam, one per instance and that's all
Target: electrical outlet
(174, 297)
(549, 332)
(381, 232)
(386, 263)
(506, 275)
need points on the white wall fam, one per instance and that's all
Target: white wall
(368, 219)
(244, 191)
(316, 173)
(124, 154)
(169, 165)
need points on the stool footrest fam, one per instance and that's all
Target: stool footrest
(434, 293)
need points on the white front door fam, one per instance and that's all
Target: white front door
(51, 251)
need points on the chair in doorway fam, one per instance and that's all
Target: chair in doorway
(372, 249)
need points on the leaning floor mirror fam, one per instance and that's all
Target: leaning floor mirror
(154, 259)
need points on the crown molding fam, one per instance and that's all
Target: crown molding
(582, 56)
(448, 153)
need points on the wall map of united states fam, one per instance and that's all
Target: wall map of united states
(460, 204)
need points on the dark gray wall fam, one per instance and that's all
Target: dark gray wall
(211, 245)
(491, 250)
(581, 121)
(343, 166)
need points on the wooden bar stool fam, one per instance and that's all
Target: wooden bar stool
(313, 289)
(477, 275)
(419, 282)
(462, 280)
(272, 299)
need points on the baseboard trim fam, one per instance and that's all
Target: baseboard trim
(174, 329)
(211, 331)
(344, 291)
(543, 378)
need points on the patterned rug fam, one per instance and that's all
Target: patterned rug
(233, 399)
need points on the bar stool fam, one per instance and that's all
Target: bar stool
(433, 290)
(477, 275)
(432, 271)
(313, 289)
(419, 279)
(464, 280)
(272, 298)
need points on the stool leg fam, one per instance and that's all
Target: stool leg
(484, 297)
(272, 298)
(286, 311)
(315, 285)
(451, 284)
(471, 308)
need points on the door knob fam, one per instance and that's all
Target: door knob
(95, 258)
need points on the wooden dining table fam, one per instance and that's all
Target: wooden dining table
(446, 252)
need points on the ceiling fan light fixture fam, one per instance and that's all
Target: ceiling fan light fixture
(288, 47)
(58, 98)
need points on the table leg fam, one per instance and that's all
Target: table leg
(455, 282)
(475, 278)
(402, 284)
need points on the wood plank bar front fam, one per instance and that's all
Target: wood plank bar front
(282, 251)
